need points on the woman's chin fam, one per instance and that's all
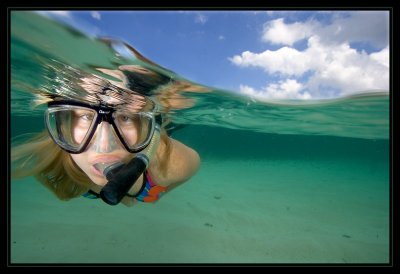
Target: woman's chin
(98, 181)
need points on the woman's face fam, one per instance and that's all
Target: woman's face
(111, 135)
(105, 147)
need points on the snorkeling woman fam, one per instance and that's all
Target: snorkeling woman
(108, 148)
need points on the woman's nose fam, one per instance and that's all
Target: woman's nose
(105, 141)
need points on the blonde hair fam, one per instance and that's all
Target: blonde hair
(54, 168)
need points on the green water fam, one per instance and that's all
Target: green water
(280, 182)
(278, 199)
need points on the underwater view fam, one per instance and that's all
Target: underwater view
(281, 181)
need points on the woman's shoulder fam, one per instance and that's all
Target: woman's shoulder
(183, 163)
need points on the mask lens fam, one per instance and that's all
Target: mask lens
(136, 129)
(70, 126)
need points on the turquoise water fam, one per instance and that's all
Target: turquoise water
(280, 181)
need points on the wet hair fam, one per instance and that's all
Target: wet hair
(54, 168)
(143, 81)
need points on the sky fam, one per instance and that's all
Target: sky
(263, 54)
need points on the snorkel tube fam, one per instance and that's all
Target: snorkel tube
(121, 177)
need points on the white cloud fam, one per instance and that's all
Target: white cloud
(279, 61)
(95, 15)
(221, 37)
(349, 71)
(289, 89)
(361, 26)
(381, 57)
(277, 32)
(328, 66)
(201, 19)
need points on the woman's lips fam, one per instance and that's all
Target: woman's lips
(108, 159)
(96, 172)
(102, 160)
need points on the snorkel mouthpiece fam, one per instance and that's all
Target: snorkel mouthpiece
(122, 177)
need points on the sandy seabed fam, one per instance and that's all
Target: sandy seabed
(258, 212)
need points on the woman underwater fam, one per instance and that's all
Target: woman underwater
(103, 140)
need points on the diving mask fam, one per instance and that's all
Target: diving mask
(72, 126)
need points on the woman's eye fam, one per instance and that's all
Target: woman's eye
(84, 117)
(87, 117)
(124, 118)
